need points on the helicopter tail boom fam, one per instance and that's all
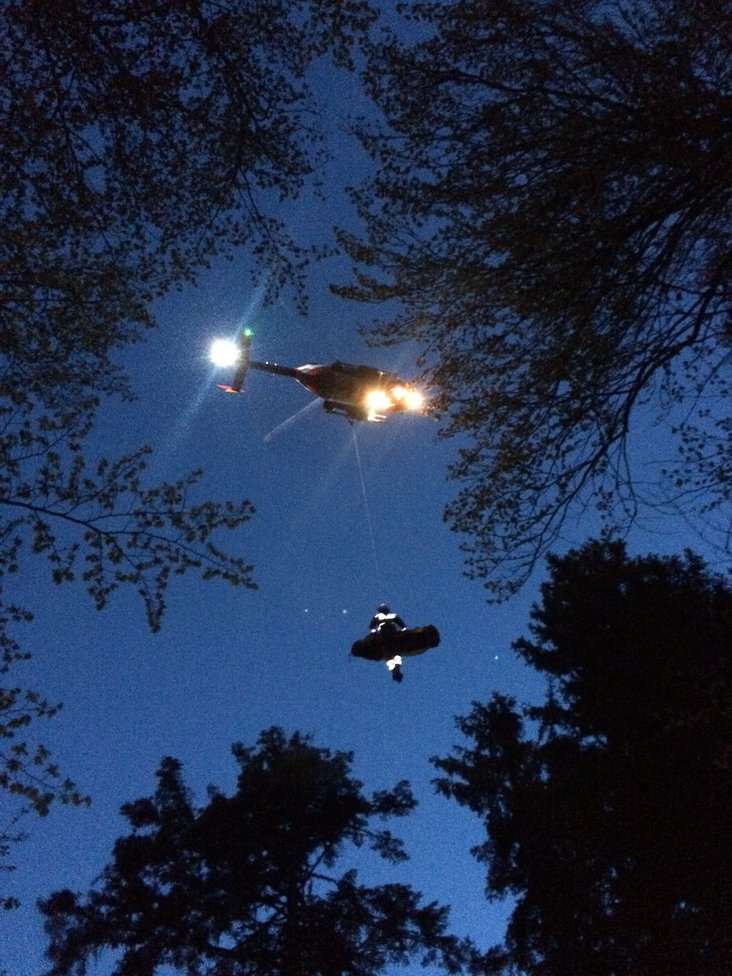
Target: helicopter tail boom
(244, 340)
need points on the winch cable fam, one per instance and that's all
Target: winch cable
(377, 567)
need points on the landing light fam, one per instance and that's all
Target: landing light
(378, 400)
(412, 399)
(224, 352)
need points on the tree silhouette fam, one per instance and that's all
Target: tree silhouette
(250, 883)
(606, 808)
(139, 141)
(551, 213)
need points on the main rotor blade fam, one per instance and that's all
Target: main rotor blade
(290, 420)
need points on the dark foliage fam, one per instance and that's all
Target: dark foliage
(607, 807)
(138, 141)
(551, 213)
(249, 883)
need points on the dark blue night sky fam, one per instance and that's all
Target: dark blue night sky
(331, 538)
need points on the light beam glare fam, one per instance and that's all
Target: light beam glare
(414, 400)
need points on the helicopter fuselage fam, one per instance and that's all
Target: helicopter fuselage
(357, 392)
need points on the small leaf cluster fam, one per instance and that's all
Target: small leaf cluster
(105, 525)
(28, 774)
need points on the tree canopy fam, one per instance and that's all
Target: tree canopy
(139, 140)
(252, 883)
(550, 220)
(606, 808)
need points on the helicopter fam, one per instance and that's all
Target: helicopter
(360, 393)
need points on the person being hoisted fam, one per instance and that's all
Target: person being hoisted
(385, 621)
(389, 638)
(385, 618)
